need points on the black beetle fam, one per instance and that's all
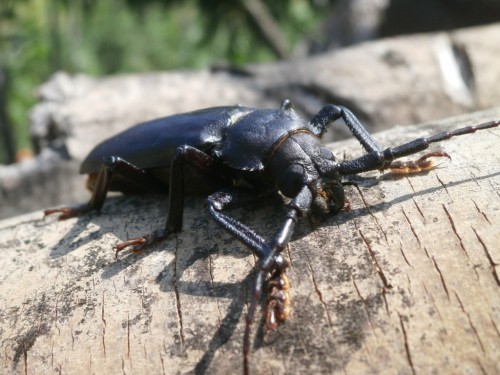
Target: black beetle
(242, 154)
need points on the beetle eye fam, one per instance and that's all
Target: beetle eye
(326, 153)
(291, 180)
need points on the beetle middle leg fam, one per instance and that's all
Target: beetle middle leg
(204, 165)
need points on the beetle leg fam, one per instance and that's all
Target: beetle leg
(233, 198)
(204, 164)
(384, 159)
(278, 305)
(273, 261)
(422, 164)
(331, 112)
(137, 179)
(269, 252)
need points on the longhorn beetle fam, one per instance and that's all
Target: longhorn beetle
(243, 154)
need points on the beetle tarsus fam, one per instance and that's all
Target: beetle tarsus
(347, 205)
(139, 244)
(423, 164)
(67, 212)
(278, 304)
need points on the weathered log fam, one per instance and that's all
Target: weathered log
(405, 283)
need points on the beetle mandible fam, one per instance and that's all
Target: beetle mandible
(243, 154)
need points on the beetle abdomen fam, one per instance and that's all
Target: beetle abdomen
(152, 144)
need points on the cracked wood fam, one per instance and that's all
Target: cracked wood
(68, 306)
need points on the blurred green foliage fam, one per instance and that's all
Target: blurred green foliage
(40, 37)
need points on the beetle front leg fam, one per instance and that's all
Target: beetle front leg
(233, 198)
(384, 159)
(331, 112)
(270, 254)
(422, 164)
(204, 164)
(272, 262)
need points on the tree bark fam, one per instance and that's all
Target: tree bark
(404, 283)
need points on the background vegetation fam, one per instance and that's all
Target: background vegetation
(40, 37)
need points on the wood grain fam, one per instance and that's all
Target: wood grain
(407, 282)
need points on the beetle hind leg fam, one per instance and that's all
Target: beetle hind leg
(68, 212)
(132, 179)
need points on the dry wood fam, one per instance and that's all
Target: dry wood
(405, 283)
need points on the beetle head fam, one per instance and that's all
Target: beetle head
(301, 160)
(328, 192)
(323, 181)
(328, 197)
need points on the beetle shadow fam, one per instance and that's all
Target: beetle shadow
(236, 292)
(115, 210)
(73, 239)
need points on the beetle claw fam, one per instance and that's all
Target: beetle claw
(278, 305)
(139, 244)
(418, 166)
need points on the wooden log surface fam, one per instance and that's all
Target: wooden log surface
(405, 283)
